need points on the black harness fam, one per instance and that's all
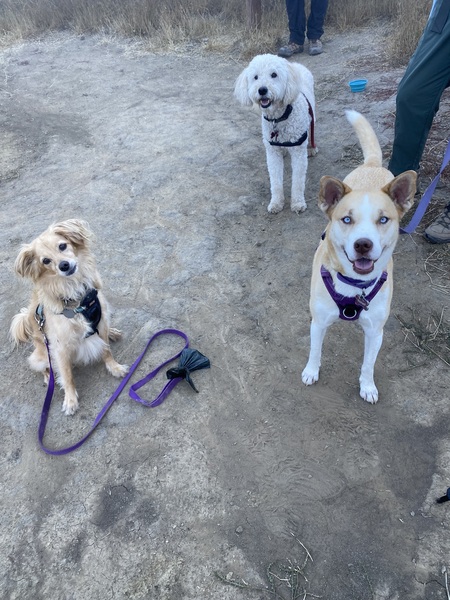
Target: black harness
(89, 307)
(299, 142)
(274, 134)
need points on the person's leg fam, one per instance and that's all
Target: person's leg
(297, 21)
(297, 24)
(316, 19)
(418, 97)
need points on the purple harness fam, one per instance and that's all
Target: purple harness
(350, 307)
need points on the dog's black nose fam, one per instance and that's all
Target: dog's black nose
(262, 91)
(64, 266)
(363, 246)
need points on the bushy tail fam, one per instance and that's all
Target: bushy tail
(367, 138)
(20, 330)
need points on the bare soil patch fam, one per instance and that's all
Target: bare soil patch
(154, 153)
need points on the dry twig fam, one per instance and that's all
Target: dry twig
(280, 576)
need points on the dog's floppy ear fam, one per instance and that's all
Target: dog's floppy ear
(27, 263)
(293, 85)
(74, 231)
(401, 190)
(331, 192)
(241, 89)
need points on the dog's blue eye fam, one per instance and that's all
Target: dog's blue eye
(347, 220)
(256, 77)
(46, 261)
(384, 220)
(274, 75)
(62, 247)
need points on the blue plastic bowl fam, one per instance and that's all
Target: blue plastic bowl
(357, 85)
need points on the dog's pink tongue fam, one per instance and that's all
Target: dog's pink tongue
(363, 266)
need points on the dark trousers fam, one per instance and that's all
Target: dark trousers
(298, 23)
(420, 90)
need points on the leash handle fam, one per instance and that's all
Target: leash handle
(158, 400)
(428, 194)
(169, 385)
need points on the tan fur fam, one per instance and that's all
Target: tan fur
(62, 268)
(365, 207)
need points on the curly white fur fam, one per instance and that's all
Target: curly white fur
(273, 83)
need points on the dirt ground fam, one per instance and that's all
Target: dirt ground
(160, 504)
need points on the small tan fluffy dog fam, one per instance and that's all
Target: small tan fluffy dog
(67, 298)
(352, 269)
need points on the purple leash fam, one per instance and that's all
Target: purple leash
(132, 392)
(425, 200)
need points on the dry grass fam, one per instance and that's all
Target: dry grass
(409, 24)
(437, 268)
(284, 579)
(428, 339)
(431, 337)
(356, 13)
(217, 24)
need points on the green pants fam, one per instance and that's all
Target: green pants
(420, 90)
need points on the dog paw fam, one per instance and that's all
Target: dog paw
(114, 334)
(70, 404)
(118, 370)
(312, 151)
(309, 376)
(298, 207)
(275, 207)
(369, 393)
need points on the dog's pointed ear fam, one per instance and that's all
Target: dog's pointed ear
(401, 191)
(331, 191)
(293, 86)
(241, 89)
(27, 263)
(74, 231)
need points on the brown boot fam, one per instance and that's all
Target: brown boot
(315, 47)
(439, 230)
(290, 49)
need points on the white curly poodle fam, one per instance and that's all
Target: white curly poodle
(285, 93)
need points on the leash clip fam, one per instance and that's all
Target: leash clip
(39, 317)
(361, 300)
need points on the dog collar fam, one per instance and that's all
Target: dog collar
(283, 117)
(359, 283)
(350, 307)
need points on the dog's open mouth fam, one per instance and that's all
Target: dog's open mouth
(265, 102)
(363, 266)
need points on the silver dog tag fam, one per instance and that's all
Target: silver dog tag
(69, 313)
